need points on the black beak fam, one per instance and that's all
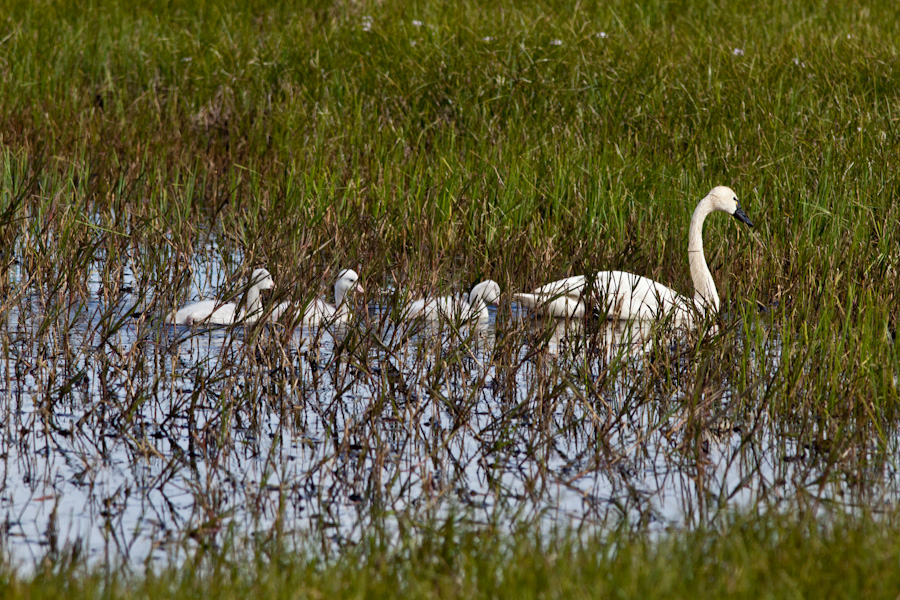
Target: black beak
(741, 216)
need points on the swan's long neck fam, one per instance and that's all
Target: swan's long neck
(254, 305)
(706, 297)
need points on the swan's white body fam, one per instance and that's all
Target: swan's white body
(318, 310)
(218, 312)
(625, 296)
(456, 308)
(560, 299)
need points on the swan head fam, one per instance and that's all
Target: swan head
(486, 291)
(724, 199)
(262, 279)
(347, 281)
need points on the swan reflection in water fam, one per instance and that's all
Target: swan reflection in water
(479, 334)
(612, 339)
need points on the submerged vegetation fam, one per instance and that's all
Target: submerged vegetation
(154, 154)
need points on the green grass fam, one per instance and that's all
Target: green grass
(312, 136)
(774, 557)
(528, 159)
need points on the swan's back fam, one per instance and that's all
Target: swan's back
(429, 308)
(571, 286)
(420, 309)
(626, 296)
(206, 312)
(316, 311)
(559, 299)
(280, 310)
(319, 311)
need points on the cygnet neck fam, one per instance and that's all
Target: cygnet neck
(254, 305)
(339, 294)
(706, 297)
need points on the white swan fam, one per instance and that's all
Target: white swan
(560, 299)
(626, 296)
(218, 312)
(466, 308)
(318, 310)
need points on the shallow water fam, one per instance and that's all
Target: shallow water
(136, 443)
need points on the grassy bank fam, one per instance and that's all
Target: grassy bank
(746, 558)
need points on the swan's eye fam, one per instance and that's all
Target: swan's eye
(735, 199)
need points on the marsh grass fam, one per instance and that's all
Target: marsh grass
(153, 154)
(769, 555)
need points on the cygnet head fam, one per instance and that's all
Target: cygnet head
(262, 279)
(487, 291)
(724, 199)
(347, 281)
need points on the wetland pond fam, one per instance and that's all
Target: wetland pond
(128, 439)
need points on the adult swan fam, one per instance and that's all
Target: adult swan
(626, 296)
